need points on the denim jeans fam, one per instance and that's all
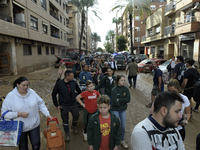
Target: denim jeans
(122, 116)
(134, 80)
(34, 136)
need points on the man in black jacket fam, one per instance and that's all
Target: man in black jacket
(66, 89)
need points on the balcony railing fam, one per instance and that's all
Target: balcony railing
(54, 15)
(170, 6)
(55, 36)
(143, 38)
(20, 23)
(5, 17)
(169, 29)
(188, 19)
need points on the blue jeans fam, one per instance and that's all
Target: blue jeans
(122, 116)
(172, 70)
(134, 80)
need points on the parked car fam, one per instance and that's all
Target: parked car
(129, 58)
(120, 61)
(146, 66)
(140, 58)
(163, 67)
(68, 63)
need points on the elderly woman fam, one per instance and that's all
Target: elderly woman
(23, 104)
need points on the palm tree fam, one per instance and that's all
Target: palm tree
(130, 8)
(117, 21)
(82, 7)
(111, 34)
(95, 38)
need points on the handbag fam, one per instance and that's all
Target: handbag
(10, 131)
(169, 67)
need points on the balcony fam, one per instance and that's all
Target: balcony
(5, 17)
(184, 4)
(170, 8)
(20, 23)
(143, 38)
(54, 15)
(190, 24)
(169, 30)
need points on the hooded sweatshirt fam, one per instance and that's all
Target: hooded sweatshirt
(31, 103)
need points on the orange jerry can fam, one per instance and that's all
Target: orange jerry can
(54, 136)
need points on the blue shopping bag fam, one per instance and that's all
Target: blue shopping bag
(10, 131)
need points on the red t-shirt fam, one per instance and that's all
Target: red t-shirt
(90, 99)
(105, 127)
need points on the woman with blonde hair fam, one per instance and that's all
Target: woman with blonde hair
(61, 72)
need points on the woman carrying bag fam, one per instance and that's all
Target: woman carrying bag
(23, 104)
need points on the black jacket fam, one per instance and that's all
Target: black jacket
(64, 94)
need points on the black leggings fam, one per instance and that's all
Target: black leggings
(34, 136)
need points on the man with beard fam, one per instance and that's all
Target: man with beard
(159, 131)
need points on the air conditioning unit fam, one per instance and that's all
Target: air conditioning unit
(3, 3)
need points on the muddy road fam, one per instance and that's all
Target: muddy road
(43, 81)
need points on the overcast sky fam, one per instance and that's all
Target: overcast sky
(105, 24)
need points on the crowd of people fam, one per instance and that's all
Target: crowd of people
(105, 103)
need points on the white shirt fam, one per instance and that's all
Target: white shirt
(111, 79)
(184, 105)
(173, 64)
(112, 64)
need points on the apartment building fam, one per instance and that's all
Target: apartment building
(74, 24)
(188, 28)
(89, 40)
(138, 28)
(173, 30)
(31, 33)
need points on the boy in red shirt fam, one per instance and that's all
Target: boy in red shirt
(104, 130)
(90, 98)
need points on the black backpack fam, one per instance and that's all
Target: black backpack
(196, 88)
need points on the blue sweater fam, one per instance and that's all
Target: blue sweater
(84, 76)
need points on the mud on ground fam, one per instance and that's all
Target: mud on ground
(43, 81)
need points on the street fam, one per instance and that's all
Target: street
(43, 81)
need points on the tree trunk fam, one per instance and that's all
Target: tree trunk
(82, 27)
(116, 34)
(131, 29)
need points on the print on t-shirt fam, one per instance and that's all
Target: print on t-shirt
(105, 129)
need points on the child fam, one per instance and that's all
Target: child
(120, 97)
(104, 130)
(90, 99)
(109, 82)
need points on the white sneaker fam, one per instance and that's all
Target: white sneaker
(124, 145)
(85, 136)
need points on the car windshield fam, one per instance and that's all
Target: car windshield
(145, 61)
(122, 57)
(166, 63)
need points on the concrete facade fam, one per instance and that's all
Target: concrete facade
(32, 32)
(179, 34)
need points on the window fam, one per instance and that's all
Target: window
(137, 28)
(44, 4)
(60, 2)
(137, 39)
(39, 50)
(60, 18)
(34, 1)
(64, 20)
(34, 23)
(65, 37)
(64, 6)
(61, 35)
(27, 49)
(153, 7)
(137, 18)
(136, 7)
(44, 28)
(52, 51)
(150, 32)
(157, 29)
(47, 50)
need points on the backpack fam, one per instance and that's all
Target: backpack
(165, 77)
(182, 69)
(196, 87)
